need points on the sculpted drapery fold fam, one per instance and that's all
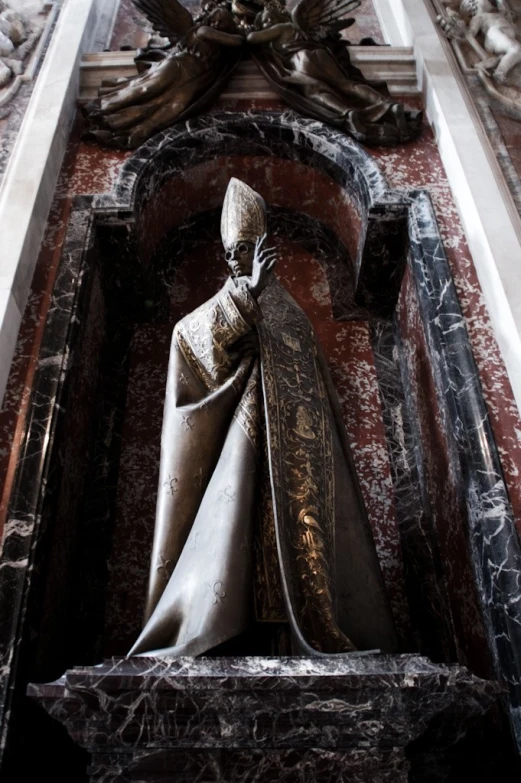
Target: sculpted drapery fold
(259, 513)
(204, 520)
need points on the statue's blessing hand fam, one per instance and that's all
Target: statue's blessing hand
(264, 260)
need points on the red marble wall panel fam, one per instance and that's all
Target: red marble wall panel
(130, 28)
(366, 25)
(289, 184)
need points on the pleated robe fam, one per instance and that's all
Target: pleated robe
(254, 447)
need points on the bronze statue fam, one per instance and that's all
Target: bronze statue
(303, 57)
(176, 83)
(259, 513)
(301, 54)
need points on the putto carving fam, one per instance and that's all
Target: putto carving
(307, 62)
(21, 24)
(173, 83)
(302, 54)
(484, 35)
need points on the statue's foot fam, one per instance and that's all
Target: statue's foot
(400, 119)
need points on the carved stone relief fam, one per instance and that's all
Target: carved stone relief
(485, 37)
(22, 23)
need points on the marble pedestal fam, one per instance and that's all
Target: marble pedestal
(350, 718)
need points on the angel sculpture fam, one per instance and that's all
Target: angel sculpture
(182, 81)
(301, 54)
(303, 57)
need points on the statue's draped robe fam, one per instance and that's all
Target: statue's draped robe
(258, 502)
(319, 79)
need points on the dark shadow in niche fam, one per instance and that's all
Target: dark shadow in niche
(310, 234)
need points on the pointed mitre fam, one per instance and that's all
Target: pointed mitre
(244, 214)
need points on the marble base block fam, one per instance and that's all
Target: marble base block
(330, 718)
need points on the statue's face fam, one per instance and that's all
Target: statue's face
(239, 258)
(473, 7)
(221, 19)
(271, 17)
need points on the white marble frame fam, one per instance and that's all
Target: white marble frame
(490, 219)
(28, 186)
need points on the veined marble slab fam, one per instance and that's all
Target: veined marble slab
(344, 717)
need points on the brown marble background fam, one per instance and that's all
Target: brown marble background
(285, 183)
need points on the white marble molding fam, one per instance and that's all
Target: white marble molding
(30, 179)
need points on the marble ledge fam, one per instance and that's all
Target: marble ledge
(394, 65)
(98, 700)
(349, 717)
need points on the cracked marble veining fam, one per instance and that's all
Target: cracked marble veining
(341, 715)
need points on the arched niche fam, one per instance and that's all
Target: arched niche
(182, 165)
(421, 392)
(164, 258)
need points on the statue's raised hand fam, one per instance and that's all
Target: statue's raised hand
(264, 260)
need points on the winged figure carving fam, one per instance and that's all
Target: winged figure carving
(319, 18)
(168, 17)
(305, 59)
(174, 84)
(301, 53)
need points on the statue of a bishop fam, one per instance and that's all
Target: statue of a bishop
(259, 512)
